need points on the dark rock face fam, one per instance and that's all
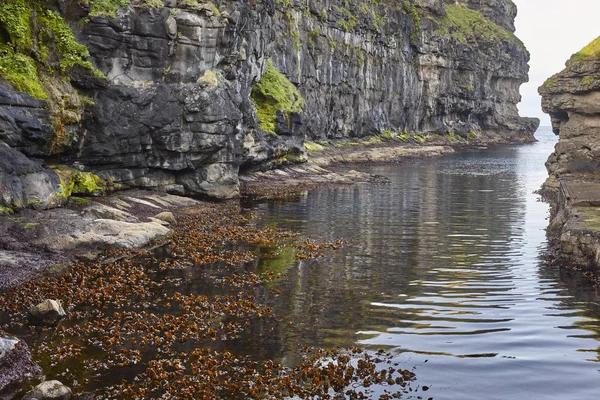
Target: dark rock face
(16, 365)
(571, 98)
(175, 110)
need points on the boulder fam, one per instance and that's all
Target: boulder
(48, 312)
(166, 216)
(16, 364)
(49, 390)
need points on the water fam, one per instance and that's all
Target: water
(444, 268)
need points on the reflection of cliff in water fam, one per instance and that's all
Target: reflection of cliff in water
(444, 265)
(443, 216)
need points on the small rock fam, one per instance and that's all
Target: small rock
(49, 390)
(167, 217)
(48, 312)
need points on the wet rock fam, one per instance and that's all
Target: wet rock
(16, 364)
(48, 312)
(166, 216)
(49, 390)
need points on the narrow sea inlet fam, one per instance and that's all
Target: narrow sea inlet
(444, 268)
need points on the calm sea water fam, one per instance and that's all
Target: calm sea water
(444, 267)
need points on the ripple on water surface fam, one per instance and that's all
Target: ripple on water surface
(444, 268)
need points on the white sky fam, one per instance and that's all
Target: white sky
(552, 30)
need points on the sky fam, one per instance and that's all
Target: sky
(552, 31)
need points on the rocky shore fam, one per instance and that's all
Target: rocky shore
(570, 97)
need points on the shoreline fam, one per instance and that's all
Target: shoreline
(33, 241)
(574, 228)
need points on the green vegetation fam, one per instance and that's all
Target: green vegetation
(410, 9)
(55, 30)
(21, 71)
(210, 78)
(472, 135)
(77, 182)
(6, 210)
(107, 7)
(466, 25)
(31, 225)
(214, 9)
(311, 147)
(274, 92)
(588, 53)
(14, 17)
(28, 54)
(349, 21)
(37, 53)
(550, 82)
(588, 80)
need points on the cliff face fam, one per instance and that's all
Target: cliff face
(572, 98)
(167, 93)
(430, 67)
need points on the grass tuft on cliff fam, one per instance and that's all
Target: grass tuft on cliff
(588, 53)
(466, 25)
(274, 92)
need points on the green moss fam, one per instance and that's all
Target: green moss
(15, 17)
(274, 92)
(388, 134)
(311, 147)
(404, 136)
(54, 30)
(472, 135)
(348, 22)
(78, 200)
(107, 7)
(466, 25)
(214, 9)
(410, 9)
(589, 52)
(38, 42)
(159, 3)
(31, 225)
(588, 80)
(77, 182)
(20, 71)
(550, 82)
(6, 210)
(210, 78)
(420, 138)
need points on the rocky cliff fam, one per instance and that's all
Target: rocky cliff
(181, 94)
(572, 99)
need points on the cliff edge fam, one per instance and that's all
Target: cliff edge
(572, 99)
(98, 95)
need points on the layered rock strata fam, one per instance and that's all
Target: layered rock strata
(165, 95)
(572, 99)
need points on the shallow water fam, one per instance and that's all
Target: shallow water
(444, 266)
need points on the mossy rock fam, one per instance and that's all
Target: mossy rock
(78, 182)
(466, 25)
(274, 92)
(588, 53)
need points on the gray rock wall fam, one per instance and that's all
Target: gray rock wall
(572, 99)
(175, 110)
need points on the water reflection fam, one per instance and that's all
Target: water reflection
(444, 265)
